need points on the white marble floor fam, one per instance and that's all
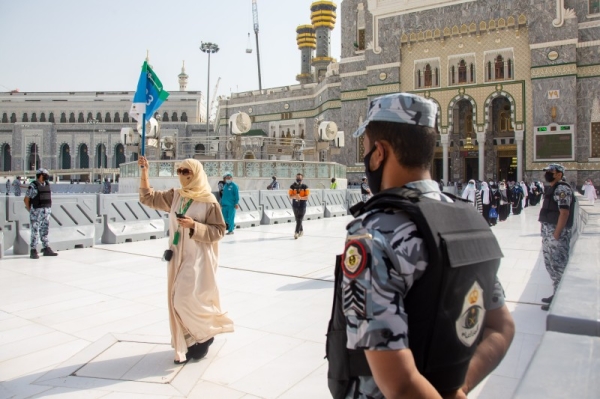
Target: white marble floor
(57, 313)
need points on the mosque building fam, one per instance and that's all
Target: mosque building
(83, 130)
(516, 82)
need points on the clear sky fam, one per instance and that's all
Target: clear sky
(100, 45)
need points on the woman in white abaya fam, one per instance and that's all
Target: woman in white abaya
(195, 314)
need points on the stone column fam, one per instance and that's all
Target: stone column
(445, 140)
(519, 140)
(481, 144)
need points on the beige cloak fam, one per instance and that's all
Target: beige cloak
(195, 313)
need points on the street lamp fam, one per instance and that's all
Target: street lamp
(209, 48)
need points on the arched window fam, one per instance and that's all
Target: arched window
(117, 118)
(34, 157)
(126, 117)
(13, 118)
(25, 118)
(107, 118)
(42, 117)
(428, 76)
(99, 117)
(63, 118)
(34, 117)
(72, 117)
(199, 149)
(119, 154)
(453, 74)
(437, 77)
(489, 70)
(84, 157)
(472, 72)
(65, 157)
(184, 117)
(51, 117)
(165, 117)
(101, 157)
(419, 85)
(462, 72)
(80, 118)
(6, 158)
(499, 68)
(174, 117)
(5, 118)
(509, 67)
(90, 116)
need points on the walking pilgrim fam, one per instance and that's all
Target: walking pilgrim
(589, 191)
(196, 225)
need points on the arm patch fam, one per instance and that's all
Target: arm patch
(354, 259)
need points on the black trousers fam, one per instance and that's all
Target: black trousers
(299, 212)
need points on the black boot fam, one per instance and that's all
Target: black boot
(33, 254)
(49, 252)
(548, 300)
(198, 351)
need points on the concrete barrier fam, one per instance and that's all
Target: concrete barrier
(335, 203)
(249, 214)
(315, 208)
(7, 229)
(563, 366)
(276, 206)
(126, 219)
(353, 197)
(72, 224)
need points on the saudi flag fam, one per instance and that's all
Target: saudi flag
(149, 95)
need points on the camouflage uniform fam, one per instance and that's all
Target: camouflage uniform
(556, 252)
(17, 187)
(384, 256)
(39, 219)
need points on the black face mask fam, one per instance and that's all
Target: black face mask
(549, 176)
(373, 177)
(298, 181)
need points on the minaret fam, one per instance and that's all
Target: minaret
(183, 78)
(323, 16)
(307, 42)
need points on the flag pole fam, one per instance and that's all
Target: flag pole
(144, 134)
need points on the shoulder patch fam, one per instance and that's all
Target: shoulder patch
(470, 321)
(355, 259)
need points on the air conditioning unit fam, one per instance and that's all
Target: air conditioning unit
(327, 131)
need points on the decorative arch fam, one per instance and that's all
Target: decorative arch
(117, 118)
(5, 154)
(64, 156)
(126, 117)
(80, 118)
(451, 108)
(4, 118)
(83, 156)
(119, 155)
(488, 103)
(42, 117)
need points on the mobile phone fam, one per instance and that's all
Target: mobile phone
(180, 215)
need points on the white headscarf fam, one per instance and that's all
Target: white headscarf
(524, 187)
(485, 193)
(469, 192)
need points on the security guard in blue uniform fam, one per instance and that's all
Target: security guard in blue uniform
(415, 326)
(38, 201)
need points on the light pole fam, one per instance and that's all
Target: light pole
(209, 48)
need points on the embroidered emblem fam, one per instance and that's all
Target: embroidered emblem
(355, 299)
(562, 195)
(355, 259)
(470, 321)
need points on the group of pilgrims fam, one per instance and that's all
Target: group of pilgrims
(497, 200)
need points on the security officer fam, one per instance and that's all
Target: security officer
(386, 281)
(17, 186)
(230, 202)
(107, 187)
(556, 217)
(39, 197)
(299, 194)
(365, 190)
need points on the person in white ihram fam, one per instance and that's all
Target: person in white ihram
(589, 191)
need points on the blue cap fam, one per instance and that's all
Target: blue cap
(401, 108)
(556, 167)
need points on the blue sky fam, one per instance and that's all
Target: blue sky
(99, 45)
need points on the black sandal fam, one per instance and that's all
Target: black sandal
(180, 362)
(199, 350)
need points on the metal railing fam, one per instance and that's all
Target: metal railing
(244, 168)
